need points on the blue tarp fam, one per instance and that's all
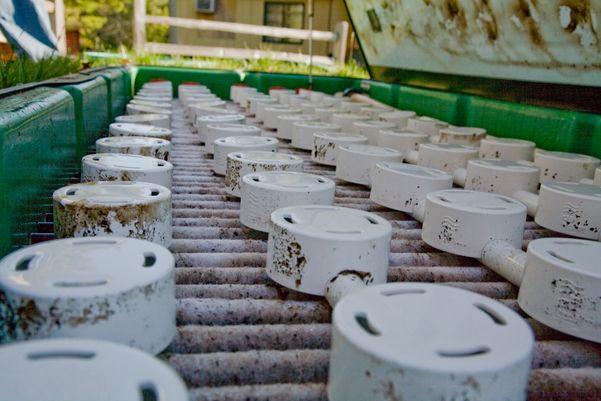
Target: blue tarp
(26, 26)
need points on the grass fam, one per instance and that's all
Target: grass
(23, 70)
(351, 70)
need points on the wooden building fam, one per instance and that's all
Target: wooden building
(282, 13)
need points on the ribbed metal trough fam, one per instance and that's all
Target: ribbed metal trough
(242, 337)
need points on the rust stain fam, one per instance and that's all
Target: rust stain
(573, 218)
(288, 256)
(320, 151)
(366, 277)
(22, 318)
(489, 20)
(471, 138)
(569, 299)
(82, 219)
(232, 174)
(127, 176)
(17, 317)
(448, 229)
(580, 13)
(524, 13)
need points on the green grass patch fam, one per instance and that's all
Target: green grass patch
(22, 70)
(349, 70)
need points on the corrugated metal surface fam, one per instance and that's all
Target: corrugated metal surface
(242, 337)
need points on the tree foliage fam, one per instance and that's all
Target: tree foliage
(107, 24)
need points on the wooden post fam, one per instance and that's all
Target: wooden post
(139, 25)
(310, 12)
(59, 26)
(340, 46)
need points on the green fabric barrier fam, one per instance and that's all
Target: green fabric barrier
(442, 105)
(119, 90)
(263, 81)
(550, 128)
(383, 92)
(219, 82)
(38, 142)
(91, 111)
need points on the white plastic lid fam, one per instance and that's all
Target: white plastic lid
(430, 120)
(191, 97)
(397, 114)
(288, 181)
(208, 110)
(198, 96)
(91, 370)
(149, 103)
(157, 85)
(575, 255)
(575, 190)
(433, 327)
(476, 202)
(350, 116)
(463, 130)
(126, 162)
(370, 150)
(374, 124)
(136, 118)
(373, 107)
(266, 157)
(282, 108)
(153, 99)
(246, 141)
(84, 267)
(299, 117)
(567, 156)
(449, 147)
(339, 136)
(217, 118)
(316, 124)
(199, 91)
(425, 173)
(148, 109)
(262, 99)
(201, 104)
(138, 129)
(506, 165)
(329, 110)
(111, 193)
(234, 127)
(508, 141)
(132, 141)
(406, 133)
(331, 222)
